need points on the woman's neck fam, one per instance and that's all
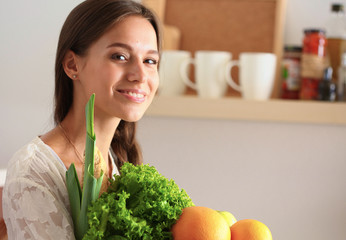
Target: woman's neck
(104, 131)
(74, 123)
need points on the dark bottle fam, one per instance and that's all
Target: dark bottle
(326, 87)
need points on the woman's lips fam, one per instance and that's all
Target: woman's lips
(134, 95)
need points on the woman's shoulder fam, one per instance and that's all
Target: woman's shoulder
(35, 188)
(35, 152)
(34, 158)
(36, 167)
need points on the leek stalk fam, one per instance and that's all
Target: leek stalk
(80, 199)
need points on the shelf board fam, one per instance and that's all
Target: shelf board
(277, 110)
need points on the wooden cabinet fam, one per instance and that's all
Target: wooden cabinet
(238, 26)
(230, 25)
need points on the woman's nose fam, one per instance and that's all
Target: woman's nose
(137, 71)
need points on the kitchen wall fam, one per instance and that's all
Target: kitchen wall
(290, 176)
(29, 32)
(306, 14)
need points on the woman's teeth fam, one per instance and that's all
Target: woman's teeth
(136, 95)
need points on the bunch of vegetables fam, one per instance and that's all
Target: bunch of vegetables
(139, 204)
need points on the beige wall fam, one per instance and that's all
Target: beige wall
(292, 177)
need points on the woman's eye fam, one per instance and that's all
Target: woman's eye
(120, 57)
(151, 61)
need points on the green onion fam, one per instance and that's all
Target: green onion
(81, 199)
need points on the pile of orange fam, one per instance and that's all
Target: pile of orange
(202, 223)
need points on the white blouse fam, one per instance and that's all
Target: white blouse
(35, 199)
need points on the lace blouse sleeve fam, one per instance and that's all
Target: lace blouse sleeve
(35, 200)
(35, 213)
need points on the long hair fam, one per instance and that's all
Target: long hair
(84, 25)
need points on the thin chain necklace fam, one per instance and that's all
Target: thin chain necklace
(98, 168)
(79, 156)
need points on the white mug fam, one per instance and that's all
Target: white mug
(210, 67)
(256, 75)
(171, 83)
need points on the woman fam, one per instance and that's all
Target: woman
(107, 47)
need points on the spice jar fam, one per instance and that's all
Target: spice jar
(312, 62)
(291, 72)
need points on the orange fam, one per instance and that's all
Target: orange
(230, 219)
(201, 223)
(249, 229)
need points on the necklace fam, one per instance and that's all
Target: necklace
(79, 156)
(100, 164)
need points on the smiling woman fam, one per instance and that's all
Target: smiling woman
(107, 47)
(121, 69)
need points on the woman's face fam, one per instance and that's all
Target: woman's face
(121, 68)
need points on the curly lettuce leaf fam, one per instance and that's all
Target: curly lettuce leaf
(140, 204)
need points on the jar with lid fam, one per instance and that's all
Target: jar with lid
(313, 62)
(291, 72)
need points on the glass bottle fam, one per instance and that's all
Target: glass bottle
(342, 79)
(336, 25)
(326, 87)
(336, 36)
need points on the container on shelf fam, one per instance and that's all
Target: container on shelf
(336, 36)
(291, 81)
(326, 87)
(313, 62)
(341, 88)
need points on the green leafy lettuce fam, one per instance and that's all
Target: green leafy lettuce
(139, 204)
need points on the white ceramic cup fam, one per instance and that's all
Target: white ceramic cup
(171, 83)
(256, 75)
(210, 67)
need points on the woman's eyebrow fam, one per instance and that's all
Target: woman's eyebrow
(153, 52)
(122, 45)
(128, 47)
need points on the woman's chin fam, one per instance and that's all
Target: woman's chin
(133, 117)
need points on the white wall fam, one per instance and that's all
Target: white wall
(290, 176)
(306, 14)
(29, 32)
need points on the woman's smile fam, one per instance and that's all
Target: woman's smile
(134, 95)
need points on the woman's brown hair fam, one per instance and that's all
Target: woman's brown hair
(84, 25)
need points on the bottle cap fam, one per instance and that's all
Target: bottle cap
(314, 30)
(343, 59)
(337, 7)
(293, 48)
(328, 72)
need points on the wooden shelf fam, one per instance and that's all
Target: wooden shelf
(292, 111)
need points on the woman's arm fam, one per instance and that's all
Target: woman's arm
(32, 211)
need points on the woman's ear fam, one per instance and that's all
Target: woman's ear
(70, 65)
